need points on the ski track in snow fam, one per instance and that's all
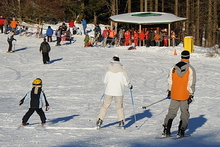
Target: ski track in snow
(73, 86)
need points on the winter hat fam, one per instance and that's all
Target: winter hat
(185, 54)
(116, 58)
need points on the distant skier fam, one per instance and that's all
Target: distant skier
(10, 39)
(45, 49)
(49, 34)
(115, 79)
(37, 100)
(181, 80)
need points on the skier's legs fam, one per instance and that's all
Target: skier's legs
(172, 112)
(44, 57)
(10, 46)
(41, 113)
(28, 115)
(119, 107)
(105, 106)
(184, 117)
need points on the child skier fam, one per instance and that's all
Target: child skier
(10, 39)
(37, 100)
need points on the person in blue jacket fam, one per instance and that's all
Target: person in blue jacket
(83, 22)
(49, 34)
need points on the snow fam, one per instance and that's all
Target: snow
(73, 86)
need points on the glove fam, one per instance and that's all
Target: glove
(131, 87)
(190, 99)
(47, 108)
(21, 102)
(168, 94)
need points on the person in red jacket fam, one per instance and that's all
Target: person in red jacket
(135, 38)
(181, 81)
(141, 37)
(71, 26)
(127, 36)
(1, 23)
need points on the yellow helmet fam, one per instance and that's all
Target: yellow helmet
(37, 82)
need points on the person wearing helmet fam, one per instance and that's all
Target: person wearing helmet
(37, 100)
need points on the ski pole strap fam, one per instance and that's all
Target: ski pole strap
(132, 99)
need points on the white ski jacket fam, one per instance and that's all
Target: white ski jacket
(115, 79)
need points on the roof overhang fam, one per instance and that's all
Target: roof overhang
(147, 18)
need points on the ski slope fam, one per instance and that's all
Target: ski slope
(73, 85)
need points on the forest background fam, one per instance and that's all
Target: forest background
(202, 23)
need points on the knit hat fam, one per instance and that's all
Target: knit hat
(116, 58)
(185, 54)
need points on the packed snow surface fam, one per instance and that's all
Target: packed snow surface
(73, 85)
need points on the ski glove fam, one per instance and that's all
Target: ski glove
(190, 99)
(21, 102)
(47, 108)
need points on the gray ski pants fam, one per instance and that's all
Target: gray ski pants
(118, 105)
(172, 112)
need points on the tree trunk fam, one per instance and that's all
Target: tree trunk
(187, 16)
(113, 8)
(145, 5)
(162, 7)
(151, 5)
(209, 25)
(129, 6)
(141, 6)
(197, 35)
(176, 8)
(156, 6)
(215, 22)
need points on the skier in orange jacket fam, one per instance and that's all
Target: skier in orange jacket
(181, 80)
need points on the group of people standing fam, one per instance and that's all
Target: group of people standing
(181, 88)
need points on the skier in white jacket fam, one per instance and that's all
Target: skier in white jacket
(115, 79)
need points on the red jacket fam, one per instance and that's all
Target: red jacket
(127, 35)
(71, 24)
(2, 21)
(141, 35)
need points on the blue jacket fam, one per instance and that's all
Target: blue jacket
(49, 31)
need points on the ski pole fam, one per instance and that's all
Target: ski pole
(144, 107)
(132, 100)
(102, 96)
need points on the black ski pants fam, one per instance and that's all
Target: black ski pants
(10, 46)
(46, 57)
(40, 112)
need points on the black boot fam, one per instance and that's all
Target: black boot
(99, 123)
(121, 124)
(166, 131)
(181, 131)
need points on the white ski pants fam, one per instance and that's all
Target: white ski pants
(118, 105)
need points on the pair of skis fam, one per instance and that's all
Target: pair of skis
(173, 137)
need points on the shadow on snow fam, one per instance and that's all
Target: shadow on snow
(131, 120)
(62, 119)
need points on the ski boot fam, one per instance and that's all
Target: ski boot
(181, 133)
(121, 125)
(166, 130)
(99, 123)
